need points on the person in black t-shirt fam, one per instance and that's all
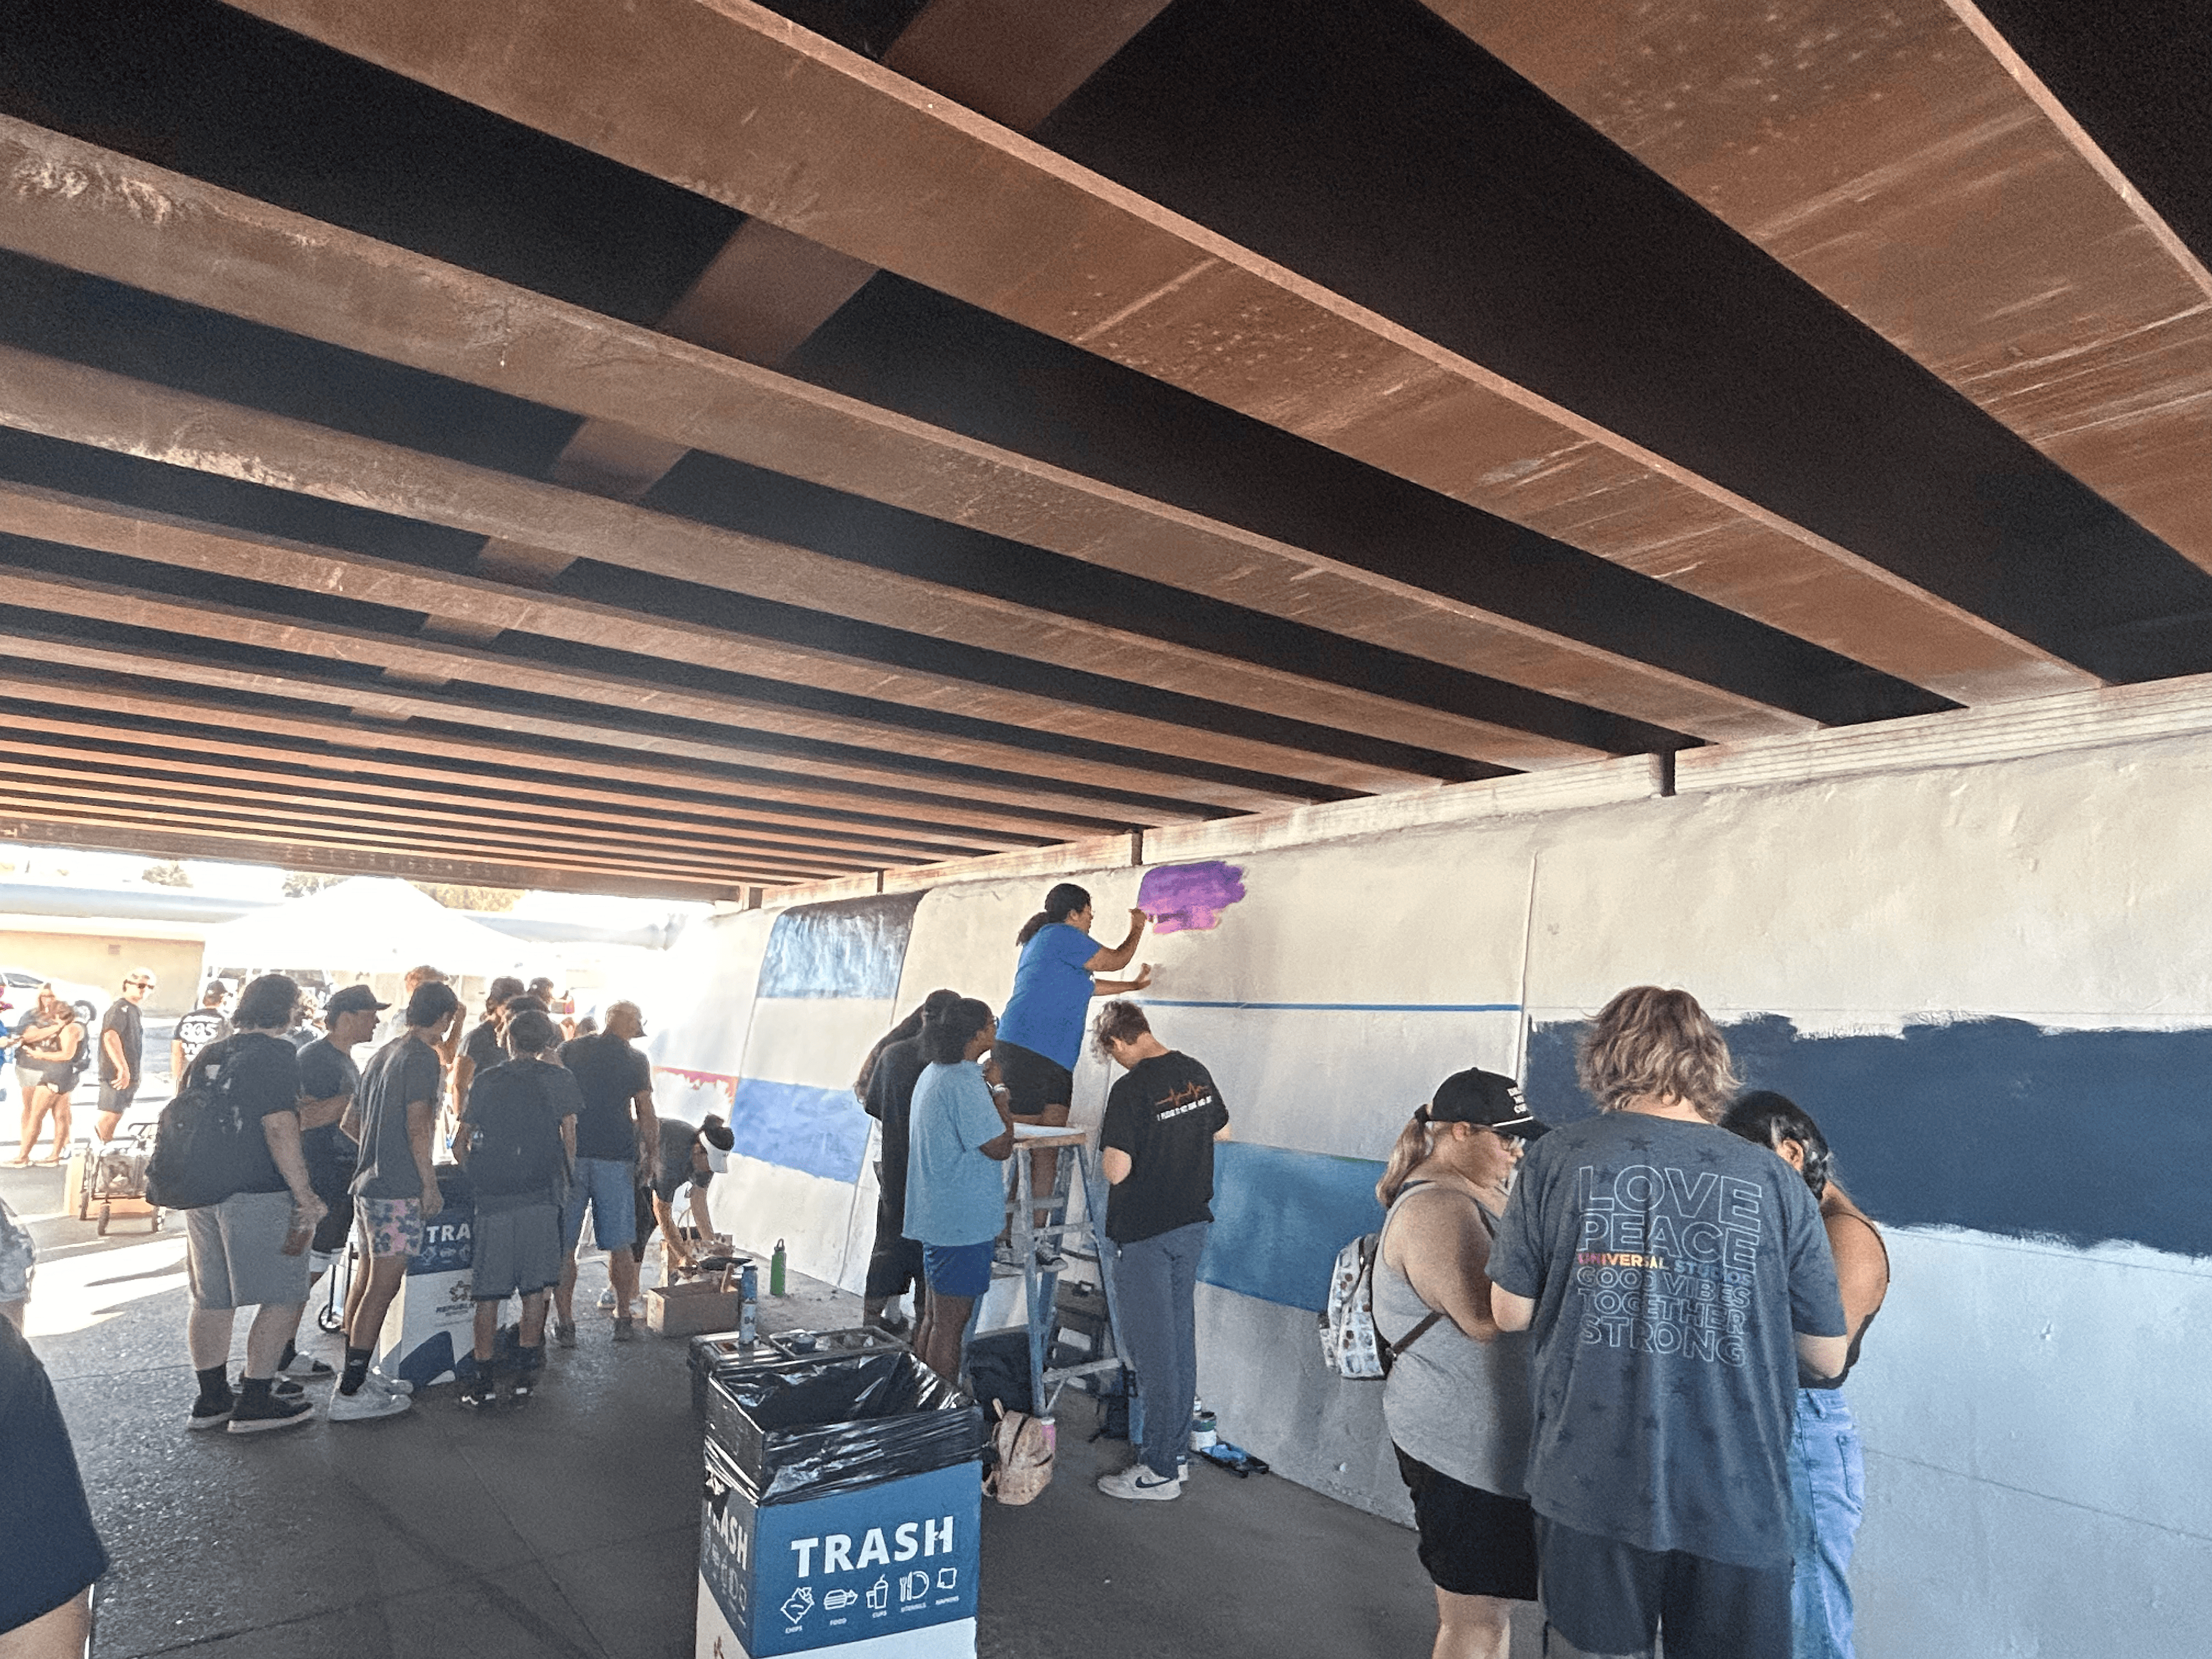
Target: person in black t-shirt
(328, 1082)
(50, 1552)
(1157, 1150)
(484, 1047)
(885, 1088)
(122, 1049)
(618, 1151)
(236, 1251)
(195, 1031)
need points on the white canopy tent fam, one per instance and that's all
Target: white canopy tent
(369, 925)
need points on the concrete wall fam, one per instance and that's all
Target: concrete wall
(1989, 982)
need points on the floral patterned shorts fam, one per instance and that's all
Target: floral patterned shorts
(394, 1225)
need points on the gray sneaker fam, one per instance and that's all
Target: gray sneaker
(626, 1328)
(369, 1403)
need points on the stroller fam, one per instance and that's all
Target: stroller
(113, 1177)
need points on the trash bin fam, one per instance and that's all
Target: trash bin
(842, 1502)
(429, 1332)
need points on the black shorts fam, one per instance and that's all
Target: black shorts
(115, 1100)
(1473, 1542)
(1034, 1084)
(1605, 1597)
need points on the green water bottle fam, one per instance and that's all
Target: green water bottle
(776, 1270)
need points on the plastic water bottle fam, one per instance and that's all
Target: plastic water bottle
(776, 1270)
(749, 1305)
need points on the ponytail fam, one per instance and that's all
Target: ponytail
(1063, 901)
(1407, 1154)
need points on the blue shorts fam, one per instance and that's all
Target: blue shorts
(958, 1269)
(609, 1185)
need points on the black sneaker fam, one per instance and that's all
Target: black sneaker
(480, 1393)
(525, 1379)
(211, 1414)
(281, 1413)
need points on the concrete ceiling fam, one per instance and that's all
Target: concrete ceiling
(690, 446)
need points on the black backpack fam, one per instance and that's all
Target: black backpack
(202, 1151)
(516, 1144)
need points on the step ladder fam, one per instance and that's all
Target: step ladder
(1073, 1159)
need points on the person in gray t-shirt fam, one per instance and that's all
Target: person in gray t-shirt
(395, 1189)
(1675, 1281)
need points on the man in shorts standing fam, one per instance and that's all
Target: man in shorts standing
(122, 1052)
(518, 1137)
(241, 1252)
(328, 1081)
(618, 1151)
(395, 1189)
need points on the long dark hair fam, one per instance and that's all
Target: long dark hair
(1063, 901)
(1769, 1119)
(932, 1005)
(944, 1039)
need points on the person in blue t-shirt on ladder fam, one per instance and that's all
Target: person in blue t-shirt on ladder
(1041, 1033)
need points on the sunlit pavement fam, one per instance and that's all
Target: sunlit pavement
(571, 1527)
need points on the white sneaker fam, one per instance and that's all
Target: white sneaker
(392, 1385)
(607, 1300)
(1140, 1483)
(369, 1402)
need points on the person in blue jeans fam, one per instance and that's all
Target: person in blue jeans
(1156, 1152)
(957, 1135)
(1827, 1468)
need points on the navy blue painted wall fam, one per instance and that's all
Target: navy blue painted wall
(2084, 1137)
(847, 948)
(1279, 1218)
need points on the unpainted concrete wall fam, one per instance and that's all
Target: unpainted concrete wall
(96, 959)
(1990, 982)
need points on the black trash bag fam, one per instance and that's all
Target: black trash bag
(999, 1369)
(815, 1427)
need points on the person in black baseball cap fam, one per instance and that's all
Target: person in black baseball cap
(1456, 1392)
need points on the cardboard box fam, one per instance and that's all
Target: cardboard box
(691, 1309)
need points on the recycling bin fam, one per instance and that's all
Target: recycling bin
(429, 1332)
(841, 1505)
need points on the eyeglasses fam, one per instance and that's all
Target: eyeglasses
(138, 984)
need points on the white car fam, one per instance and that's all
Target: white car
(20, 987)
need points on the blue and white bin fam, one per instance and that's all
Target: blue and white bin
(429, 1332)
(841, 1509)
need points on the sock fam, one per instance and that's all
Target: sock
(214, 1384)
(253, 1392)
(356, 1371)
(289, 1354)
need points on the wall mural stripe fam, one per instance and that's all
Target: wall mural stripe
(1280, 1217)
(1996, 1125)
(851, 948)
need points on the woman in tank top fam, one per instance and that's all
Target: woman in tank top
(1827, 1469)
(1457, 1394)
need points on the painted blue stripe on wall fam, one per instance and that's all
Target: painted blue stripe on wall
(1347, 1007)
(2085, 1137)
(1280, 1217)
(847, 948)
(822, 1132)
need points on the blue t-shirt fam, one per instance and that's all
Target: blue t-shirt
(954, 1194)
(1670, 1263)
(1052, 993)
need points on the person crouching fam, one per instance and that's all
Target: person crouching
(519, 1136)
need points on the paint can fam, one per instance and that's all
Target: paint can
(776, 1270)
(1203, 1432)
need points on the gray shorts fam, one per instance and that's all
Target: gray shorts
(517, 1251)
(234, 1251)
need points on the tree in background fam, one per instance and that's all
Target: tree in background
(455, 897)
(298, 883)
(171, 874)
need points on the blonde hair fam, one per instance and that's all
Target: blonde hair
(1656, 1043)
(1408, 1154)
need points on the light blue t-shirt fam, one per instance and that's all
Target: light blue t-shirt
(1052, 993)
(954, 1194)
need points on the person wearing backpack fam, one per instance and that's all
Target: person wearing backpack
(248, 1249)
(1455, 1388)
(518, 1141)
(1156, 1148)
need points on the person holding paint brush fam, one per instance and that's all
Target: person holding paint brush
(1041, 1034)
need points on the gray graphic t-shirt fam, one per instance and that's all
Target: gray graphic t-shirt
(1670, 1264)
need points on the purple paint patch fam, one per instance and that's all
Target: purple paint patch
(1189, 897)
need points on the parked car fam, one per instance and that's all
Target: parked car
(20, 987)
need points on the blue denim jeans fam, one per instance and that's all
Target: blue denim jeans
(1827, 1490)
